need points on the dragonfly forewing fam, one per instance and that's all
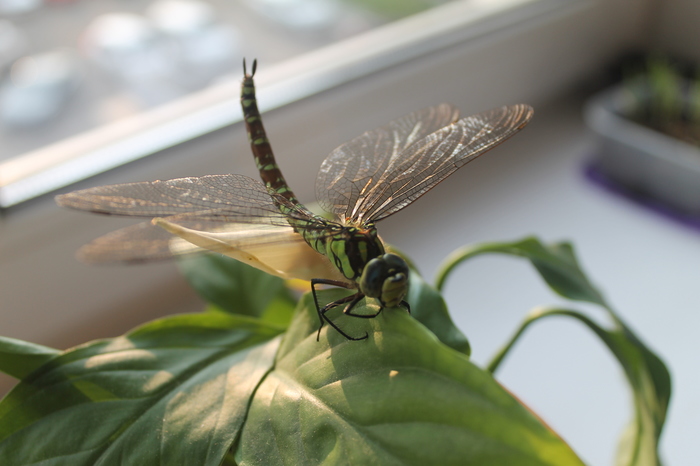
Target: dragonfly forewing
(225, 198)
(361, 195)
(356, 165)
(230, 214)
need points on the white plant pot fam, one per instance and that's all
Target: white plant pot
(641, 160)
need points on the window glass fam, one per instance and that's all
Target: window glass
(67, 66)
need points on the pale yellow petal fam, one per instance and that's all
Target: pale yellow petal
(206, 241)
(276, 250)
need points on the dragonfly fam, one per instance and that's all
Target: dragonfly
(263, 224)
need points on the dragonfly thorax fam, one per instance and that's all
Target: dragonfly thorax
(351, 248)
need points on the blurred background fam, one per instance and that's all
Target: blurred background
(112, 91)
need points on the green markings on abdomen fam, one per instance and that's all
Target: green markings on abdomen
(260, 144)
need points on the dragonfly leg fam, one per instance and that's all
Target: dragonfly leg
(352, 300)
(322, 313)
(351, 305)
(323, 281)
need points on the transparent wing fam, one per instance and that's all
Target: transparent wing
(353, 165)
(227, 213)
(214, 198)
(369, 196)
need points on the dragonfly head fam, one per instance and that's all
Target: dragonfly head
(385, 278)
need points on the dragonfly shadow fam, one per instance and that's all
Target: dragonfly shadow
(370, 376)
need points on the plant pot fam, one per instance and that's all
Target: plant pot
(643, 162)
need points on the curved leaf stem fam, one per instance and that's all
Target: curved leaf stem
(460, 255)
(535, 315)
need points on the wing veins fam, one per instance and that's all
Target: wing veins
(424, 163)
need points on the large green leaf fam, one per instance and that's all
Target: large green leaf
(19, 358)
(399, 397)
(174, 391)
(428, 307)
(236, 287)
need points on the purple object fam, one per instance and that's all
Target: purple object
(640, 198)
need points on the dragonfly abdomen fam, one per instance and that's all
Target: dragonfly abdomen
(259, 143)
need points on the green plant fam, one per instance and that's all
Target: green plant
(660, 97)
(245, 382)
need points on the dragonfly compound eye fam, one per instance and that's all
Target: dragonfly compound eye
(385, 278)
